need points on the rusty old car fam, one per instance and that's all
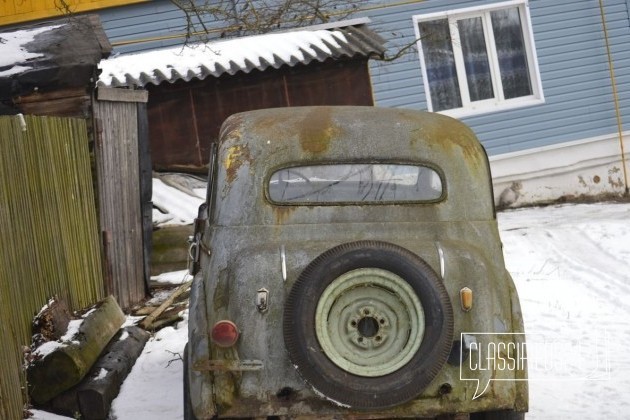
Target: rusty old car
(347, 264)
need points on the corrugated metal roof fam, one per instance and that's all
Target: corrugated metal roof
(240, 54)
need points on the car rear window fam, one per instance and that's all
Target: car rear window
(355, 183)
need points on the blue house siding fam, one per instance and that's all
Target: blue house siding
(573, 64)
(159, 23)
(569, 43)
(397, 83)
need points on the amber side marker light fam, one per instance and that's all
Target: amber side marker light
(466, 298)
(224, 333)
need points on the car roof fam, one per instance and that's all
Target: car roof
(333, 132)
(253, 144)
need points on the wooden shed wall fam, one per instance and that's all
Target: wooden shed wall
(70, 102)
(185, 117)
(49, 234)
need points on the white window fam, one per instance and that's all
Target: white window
(478, 60)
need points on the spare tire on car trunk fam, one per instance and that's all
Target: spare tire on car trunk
(368, 324)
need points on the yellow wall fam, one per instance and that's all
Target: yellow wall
(15, 11)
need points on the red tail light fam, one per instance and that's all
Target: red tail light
(224, 333)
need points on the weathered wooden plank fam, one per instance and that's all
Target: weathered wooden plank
(39, 96)
(120, 210)
(121, 95)
(147, 323)
(76, 106)
(146, 190)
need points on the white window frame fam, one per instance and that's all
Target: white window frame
(499, 103)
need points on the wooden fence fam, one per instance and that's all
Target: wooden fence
(49, 234)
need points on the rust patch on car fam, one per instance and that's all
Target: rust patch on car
(282, 213)
(447, 134)
(234, 159)
(231, 126)
(317, 130)
(265, 124)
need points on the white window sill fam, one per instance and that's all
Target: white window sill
(491, 108)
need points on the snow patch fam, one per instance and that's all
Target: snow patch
(88, 313)
(174, 277)
(45, 307)
(101, 374)
(49, 347)
(337, 403)
(181, 207)
(153, 389)
(44, 415)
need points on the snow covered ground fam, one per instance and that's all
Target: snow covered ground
(571, 265)
(176, 198)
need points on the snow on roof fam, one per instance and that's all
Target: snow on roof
(239, 54)
(15, 56)
(50, 56)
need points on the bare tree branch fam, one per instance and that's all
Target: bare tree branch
(401, 51)
(248, 17)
